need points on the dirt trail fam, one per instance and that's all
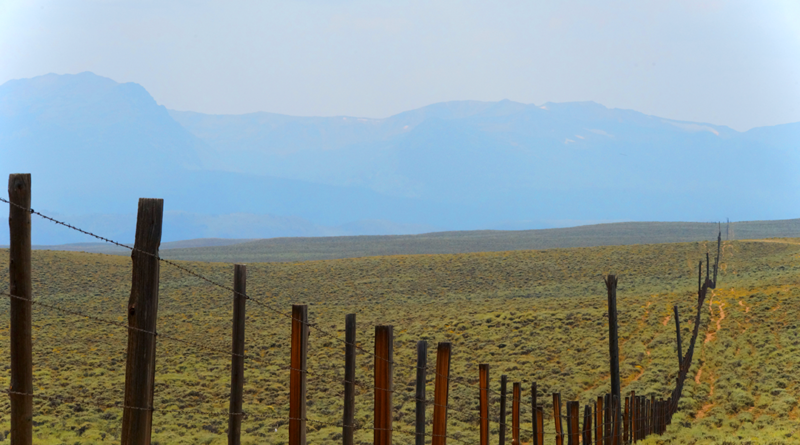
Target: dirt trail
(666, 320)
(721, 305)
(746, 308)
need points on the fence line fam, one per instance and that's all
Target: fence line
(640, 418)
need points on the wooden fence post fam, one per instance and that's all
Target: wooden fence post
(483, 370)
(237, 358)
(598, 421)
(384, 363)
(678, 333)
(297, 375)
(422, 367)
(137, 416)
(634, 417)
(613, 338)
(573, 423)
(349, 412)
(557, 418)
(503, 383)
(441, 392)
(587, 425)
(626, 420)
(20, 285)
(534, 424)
(516, 398)
(540, 424)
(607, 419)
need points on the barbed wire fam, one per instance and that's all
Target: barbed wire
(448, 378)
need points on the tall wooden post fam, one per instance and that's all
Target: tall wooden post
(483, 380)
(503, 383)
(349, 416)
(441, 392)
(384, 358)
(613, 349)
(678, 332)
(237, 358)
(137, 417)
(297, 375)
(20, 285)
(516, 399)
(422, 367)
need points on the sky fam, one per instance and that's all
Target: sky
(734, 63)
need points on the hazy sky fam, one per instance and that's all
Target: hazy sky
(733, 63)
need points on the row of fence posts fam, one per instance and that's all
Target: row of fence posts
(612, 425)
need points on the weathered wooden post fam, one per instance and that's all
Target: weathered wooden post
(503, 383)
(483, 370)
(20, 286)
(422, 367)
(573, 424)
(598, 421)
(587, 425)
(613, 339)
(384, 364)
(534, 423)
(441, 392)
(349, 415)
(557, 418)
(297, 375)
(540, 424)
(237, 358)
(137, 416)
(678, 333)
(516, 398)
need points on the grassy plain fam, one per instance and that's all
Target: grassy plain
(532, 315)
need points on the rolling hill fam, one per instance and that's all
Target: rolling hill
(94, 146)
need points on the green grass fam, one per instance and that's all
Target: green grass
(533, 315)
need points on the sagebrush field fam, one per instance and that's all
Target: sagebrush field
(532, 315)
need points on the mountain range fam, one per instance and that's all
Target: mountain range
(94, 146)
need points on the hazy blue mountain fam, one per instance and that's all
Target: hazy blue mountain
(95, 146)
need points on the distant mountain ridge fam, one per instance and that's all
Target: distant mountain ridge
(94, 146)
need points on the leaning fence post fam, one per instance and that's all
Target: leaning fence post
(297, 375)
(384, 361)
(137, 416)
(237, 356)
(483, 370)
(422, 367)
(440, 393)
(557, 418)
(503, 383)
(348, 416)
(516, 398)
(20, 286)
(678, 332)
